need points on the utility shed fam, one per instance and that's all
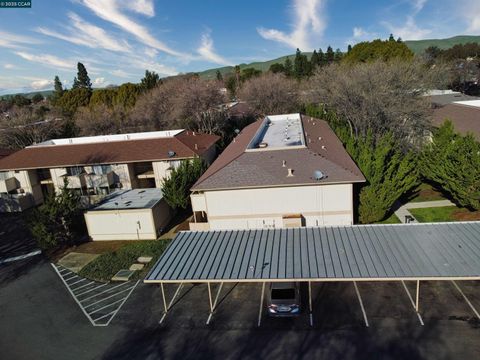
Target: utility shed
(137, 214)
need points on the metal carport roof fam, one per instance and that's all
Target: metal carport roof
(335, 253)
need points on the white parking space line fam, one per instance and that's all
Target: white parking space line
(413, 303)
(466, 299)
(361, 304)
(107, 296)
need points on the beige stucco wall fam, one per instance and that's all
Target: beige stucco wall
(131, 224)
(264, 208)
(160, 170)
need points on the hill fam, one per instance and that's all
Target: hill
(419, 46)
(29, 95)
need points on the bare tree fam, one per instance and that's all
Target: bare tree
(101, 119)
(23, 127)
(378, 96)
(271, 94)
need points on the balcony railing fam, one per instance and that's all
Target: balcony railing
(76, 181)
(8, 185)
(100, 180)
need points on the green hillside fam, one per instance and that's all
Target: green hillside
(259, 65)
(418, 46)
(29, 95)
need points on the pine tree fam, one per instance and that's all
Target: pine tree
(301, 65)
(82, 81)
(288, 67)
(349, 48)
(321, 57)
(149, 81)
(391, 38)
(58, 89)
(330, 55)
(314, 61)
(219, 75)
(338, 55)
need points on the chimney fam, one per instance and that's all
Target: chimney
(193, 133)
(290, 172)
(284, 163)
(196, 146)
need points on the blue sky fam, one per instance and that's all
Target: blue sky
(118, 39)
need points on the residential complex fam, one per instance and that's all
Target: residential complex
(281, 171)
(95, 166)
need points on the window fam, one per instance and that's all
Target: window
(75, 170)
(4, 175)
(102, 169)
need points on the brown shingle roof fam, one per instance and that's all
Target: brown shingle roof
(464, 118)
(5, 152)
(236, 168)
(114, 152)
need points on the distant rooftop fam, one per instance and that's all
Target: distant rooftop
(278, 132)
(130, 199)
(116, 137)
(445, 97)
(473, 103)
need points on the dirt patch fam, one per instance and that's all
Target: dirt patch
(465, 215)
(100, 247)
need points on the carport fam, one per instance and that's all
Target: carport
(357, 253)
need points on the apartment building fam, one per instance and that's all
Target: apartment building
(97, 165)
(281, 171)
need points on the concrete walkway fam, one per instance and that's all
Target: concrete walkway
(403, 212)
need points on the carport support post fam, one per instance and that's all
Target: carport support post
(417, 296)
(261, 305)
(210, 297)
(310, 302)
(163, 297)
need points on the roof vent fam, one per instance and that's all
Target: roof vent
(196, 146)
(324, 147)
(171, 153)
(284, 163)
(290, 173)
(318, 175)
(263, 145)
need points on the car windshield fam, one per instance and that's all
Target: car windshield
(283, 294)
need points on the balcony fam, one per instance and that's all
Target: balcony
(15, 202)
(200, 222)
(100, 180)
(8, 185)
(76, 181)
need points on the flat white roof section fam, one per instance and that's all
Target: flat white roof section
(434, 251)
(130, 199)
(473, 103)
(107, 138)
(279, 132)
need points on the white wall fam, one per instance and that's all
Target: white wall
(264, 208)
(121, 225)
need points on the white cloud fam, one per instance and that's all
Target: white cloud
(151, 52)
(86, 34)
(144, 7)
(14, 41)
(471, 13)
(46, 59)
(111, 10)
(359, 35)
(120, 73)
(9, 66)
(409, 30)
(152, 66)
(99, 81)
(309, 22)
(418, 5)
(207, 51)
(41, 84)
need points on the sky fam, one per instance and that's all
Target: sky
(118, 40)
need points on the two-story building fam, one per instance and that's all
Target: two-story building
(281, 171)
(96, 165)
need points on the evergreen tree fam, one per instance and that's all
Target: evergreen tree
(176, 188)
(301, 65)
(338, 55)
(277, 68)
(219, 75)
(391, 38)
(82, 81)
(322, 60)
(150, 80)
(57, 85)
(314, 60)
(330, 55)
(349, 48)
(288, 67)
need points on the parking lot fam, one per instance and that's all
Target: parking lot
(336, 305)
